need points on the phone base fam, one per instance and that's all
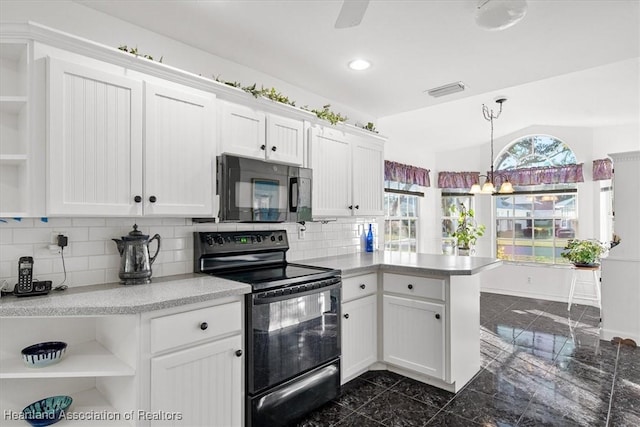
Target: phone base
(38, 288)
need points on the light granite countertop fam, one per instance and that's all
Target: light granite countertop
(114, 298)
(407, 263)
(172, 291)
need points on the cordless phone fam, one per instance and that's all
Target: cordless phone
(26, 285)
(25, 275)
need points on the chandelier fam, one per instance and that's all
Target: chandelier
(488, 187)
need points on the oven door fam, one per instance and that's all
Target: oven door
(290, 334)
(252, 190)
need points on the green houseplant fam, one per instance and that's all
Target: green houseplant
(584, 252)
(468, 230)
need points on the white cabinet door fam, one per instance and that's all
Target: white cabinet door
(203, 383)
(330, 159)
(179, 151)
(414, 335)
(359, 336)
(242, 131)
(285, 138)
(368, 177)
(95, 142)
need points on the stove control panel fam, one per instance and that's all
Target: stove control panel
(212, 242)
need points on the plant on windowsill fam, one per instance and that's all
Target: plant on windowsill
(584, 253)
(468, 230)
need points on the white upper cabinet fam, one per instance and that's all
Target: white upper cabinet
(179, 151)
(348, 173)
(94, 141)
(368, 177)
(106, 158)
(330, 160)
(247, 132)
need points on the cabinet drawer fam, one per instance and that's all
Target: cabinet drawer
(192, 326)
(359, 286)
(423, 287)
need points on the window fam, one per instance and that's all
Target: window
(450, 205)
(401, 217)
(535, 223)
(535, 227)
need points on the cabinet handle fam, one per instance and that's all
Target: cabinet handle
(346, 315)
(410, 286)
(362, 286)
(137, 199)
(152, 199)
(238, 353)
(437, 316)
(357, 206)
(204, 325)
(274, 148)
(263, 147)
(351, 207)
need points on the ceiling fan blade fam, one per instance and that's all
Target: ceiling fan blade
(351, 13)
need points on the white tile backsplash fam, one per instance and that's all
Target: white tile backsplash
(92, 258)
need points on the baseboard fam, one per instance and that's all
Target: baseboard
(608, 334)
(529, 294)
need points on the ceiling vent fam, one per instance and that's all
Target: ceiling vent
(448, 89)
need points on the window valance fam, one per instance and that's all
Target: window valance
(407, 174)
(541, 175)
(458, 179)
(602, 169)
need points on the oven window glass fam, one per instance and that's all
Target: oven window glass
(292, 336)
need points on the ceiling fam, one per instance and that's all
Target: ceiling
(413, 45)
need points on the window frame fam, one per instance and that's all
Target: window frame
(408, 244)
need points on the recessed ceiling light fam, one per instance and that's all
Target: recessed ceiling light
(359, 64)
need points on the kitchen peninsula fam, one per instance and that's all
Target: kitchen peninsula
(415, 314)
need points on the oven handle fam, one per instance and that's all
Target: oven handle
(269, 300)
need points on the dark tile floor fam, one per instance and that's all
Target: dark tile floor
(541, 366)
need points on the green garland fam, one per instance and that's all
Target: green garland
(271, 93)
(134, 51)
(329, 115)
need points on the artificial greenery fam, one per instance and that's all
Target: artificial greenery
(468, 230)
(329, 115)
(270, 93)
(134, 51)
(584, 252)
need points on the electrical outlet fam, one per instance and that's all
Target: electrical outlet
(528, 280)
(301, 233)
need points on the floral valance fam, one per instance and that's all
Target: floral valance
(541, 175)
(406, 174)
(458, 179)
(602, 169)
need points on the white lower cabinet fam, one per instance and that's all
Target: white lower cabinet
(359, 336)
(414, 333)
(359, 326)
(200, 385)
(195, 366)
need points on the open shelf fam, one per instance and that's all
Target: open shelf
(13, 159)
(88, 359)
(85, 403)
(12, 104)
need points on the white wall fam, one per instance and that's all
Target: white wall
(92, 258)
(96, 26)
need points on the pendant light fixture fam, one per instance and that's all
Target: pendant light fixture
(488, 187)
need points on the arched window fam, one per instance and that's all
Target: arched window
(534, 223)
(535, 151)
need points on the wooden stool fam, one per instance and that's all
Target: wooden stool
(595, 282)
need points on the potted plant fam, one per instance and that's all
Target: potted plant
(584, 253)
(467, 231)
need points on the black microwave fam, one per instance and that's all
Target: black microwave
(253, 190)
